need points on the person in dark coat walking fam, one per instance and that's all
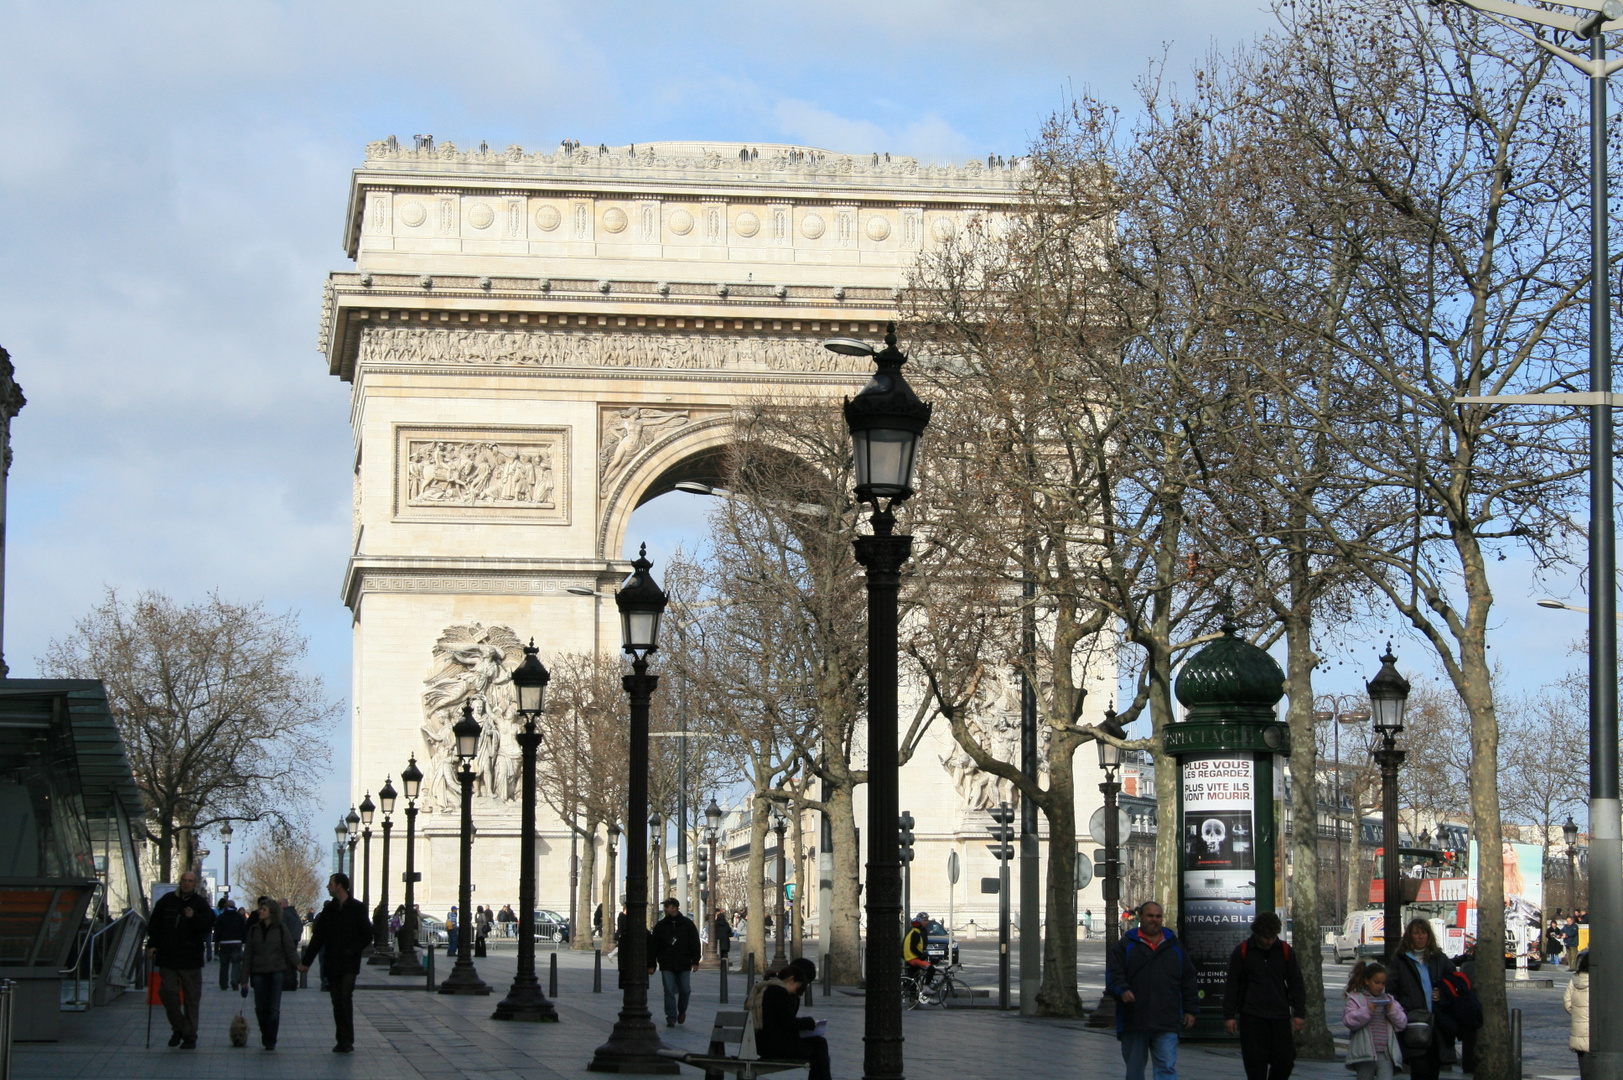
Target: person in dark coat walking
(1154, 982)
(295, 926)
(229, 927)
(344, 931)
(1418, 967)
(673, 946)
(1265, 1001)
(176, 934)
(780, 1030)
(722, 932)
(269, 950)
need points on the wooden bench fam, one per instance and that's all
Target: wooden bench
(733, 1027)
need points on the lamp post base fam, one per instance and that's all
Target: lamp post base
(409, 962)
(1104, 1013)
(464, 980)
(383, 954)
(525, 1001)
(633, 1047)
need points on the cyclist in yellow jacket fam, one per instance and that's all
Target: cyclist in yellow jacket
(913, 949)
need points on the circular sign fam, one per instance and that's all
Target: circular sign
(1084, 870)
(1096, 826)
(952, 868)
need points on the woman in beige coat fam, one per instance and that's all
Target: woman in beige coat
(1577, 1003)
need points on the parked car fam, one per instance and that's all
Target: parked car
(1362, 936)
(551, 926)
(431, 931)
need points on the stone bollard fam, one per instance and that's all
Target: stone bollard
(552, 975)
(723, 997)
(597, 971)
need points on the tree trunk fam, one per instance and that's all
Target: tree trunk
(797, 924)
(166, 850)
(1316, 1041)
(755, 885)
(1058, 996)
(583, 890)
(844, 958)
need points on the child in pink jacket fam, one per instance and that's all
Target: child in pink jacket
(1374, 1018)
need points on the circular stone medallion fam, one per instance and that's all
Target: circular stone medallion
(413, 214)
(547, 218)
(878, 227)
(681, 223)
(480, 215)
(614, 219)
(811, 226)
(746, 224)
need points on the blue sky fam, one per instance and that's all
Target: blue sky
(173, 189)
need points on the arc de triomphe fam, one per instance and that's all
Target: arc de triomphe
(537, 344)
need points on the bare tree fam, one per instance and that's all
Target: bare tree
(285, 864)
(218, 721)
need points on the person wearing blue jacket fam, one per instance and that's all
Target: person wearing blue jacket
(1154, 983)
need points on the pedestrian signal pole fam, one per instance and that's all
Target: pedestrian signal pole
(1003, 833)
(904, 838)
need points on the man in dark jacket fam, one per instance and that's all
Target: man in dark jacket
(673, 945)
(295, 926)
(1265, 1000)
(229, 928)
(721, 932)
(180, 926)
(344, 931)
(1153, 979)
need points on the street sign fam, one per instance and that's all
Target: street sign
(989, 885)
(1096, 825)
(1084, 871)
(952, 868)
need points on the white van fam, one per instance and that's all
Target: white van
(1362, 936)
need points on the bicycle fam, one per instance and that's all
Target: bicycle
(947, 991)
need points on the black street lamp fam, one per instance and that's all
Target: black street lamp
(340, 834)
(1110, 757)
(712, 831)
(367, 810)
(408, 962)
(464, 979)
(780, 822)
(225, 836)
(886, 420)
(524, 1000)
(656, 833)
(634, 1044)
(1569, 832)
(352, 826)
(382, 947)
(1388, 693)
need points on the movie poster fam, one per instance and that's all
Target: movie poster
(1219, 863)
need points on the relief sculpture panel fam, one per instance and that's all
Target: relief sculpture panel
(387, 345)
(482, 474)
(470, 668)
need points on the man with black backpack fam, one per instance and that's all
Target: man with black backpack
(1265, 1001)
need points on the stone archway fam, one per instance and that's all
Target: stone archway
(537, 344)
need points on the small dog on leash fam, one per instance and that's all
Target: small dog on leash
(239, 1030)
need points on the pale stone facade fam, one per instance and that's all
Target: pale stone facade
(536, 345)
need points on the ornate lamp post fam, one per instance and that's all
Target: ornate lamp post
(524, 1000)
(352, 827)
(712, 830)
(367, 810)
(382, 947)
(780, 822)
(464, 979)
(1388, 693)
(408, 962)
(1110, 756)
(1569, 833)
(634, 1044)
(885, 419)
(655, 888)
(340, 834)
(225, 836)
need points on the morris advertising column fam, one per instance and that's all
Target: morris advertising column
(1229, 749)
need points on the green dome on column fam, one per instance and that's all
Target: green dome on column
(1230, 679)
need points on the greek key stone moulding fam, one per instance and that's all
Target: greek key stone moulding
(495, 475)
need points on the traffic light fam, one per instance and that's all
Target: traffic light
(904, 836)
(1002, 831)
(704, 864)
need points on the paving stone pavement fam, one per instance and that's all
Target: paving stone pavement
(406, 1034)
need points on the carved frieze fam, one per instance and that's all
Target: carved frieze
(628, 432)
(482, 474)
(381, 345)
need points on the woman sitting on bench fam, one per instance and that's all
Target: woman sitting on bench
(779, 1029)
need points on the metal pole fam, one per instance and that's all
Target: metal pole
(1031, 939)
(366, 868)
(464, 978)
(779, 959)
(682, 889)
(408, 962)
(1105, 1014)
(382, 947)
(633, 1046)
(524, 1000)
(1004, 835)
(825, 878)
(1605, 822)
(883, 554)
(1335, 726)
(1391, 759)
(8, 998)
